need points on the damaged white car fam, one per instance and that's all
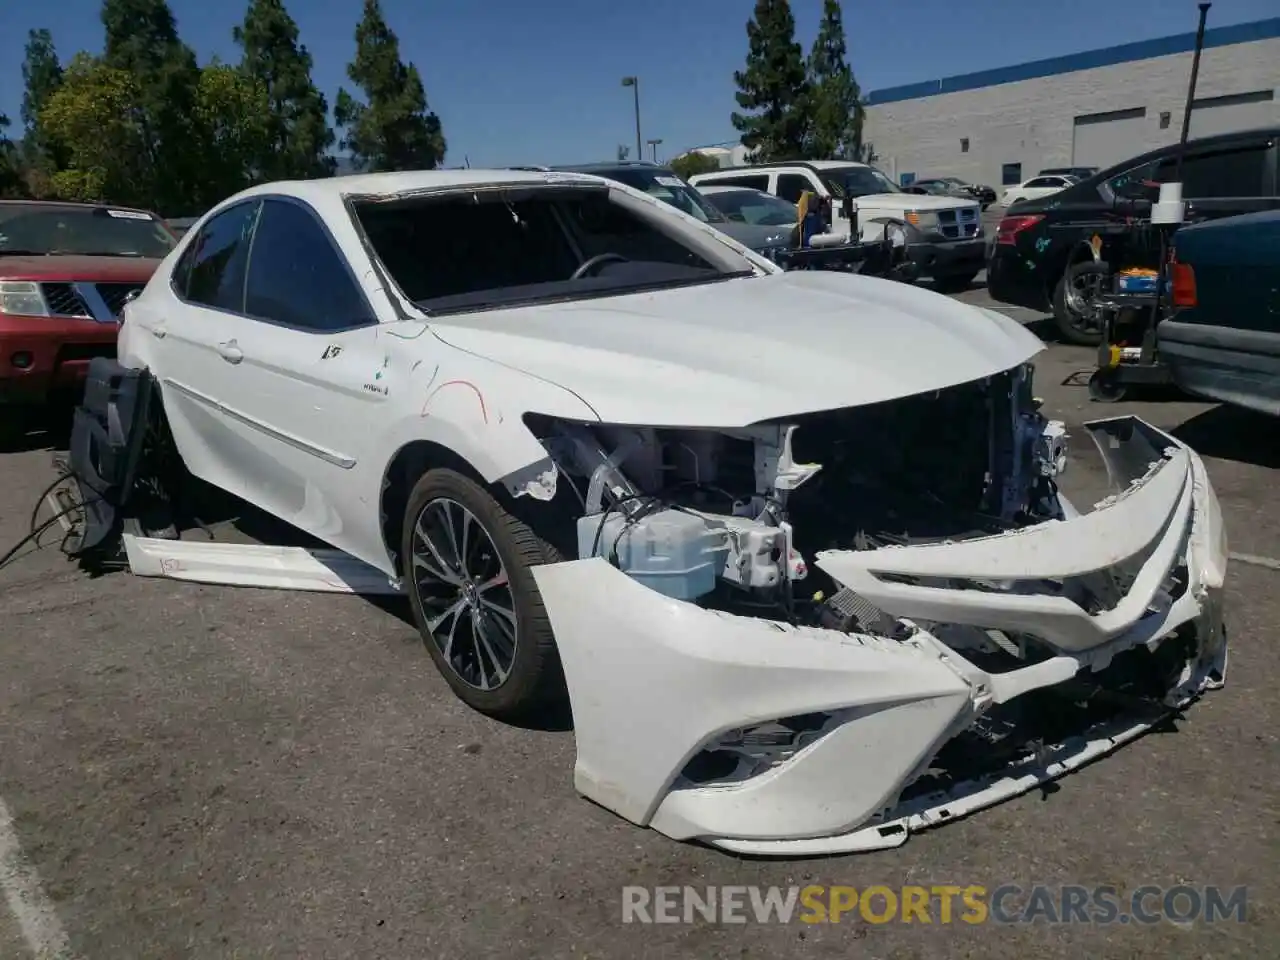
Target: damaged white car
(791, 543)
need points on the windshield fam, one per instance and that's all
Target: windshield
(503, 248)
(755, 207)
(99, 231)
(669, 188)
(857, 182)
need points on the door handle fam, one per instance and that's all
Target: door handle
(158, 331)
(230, 352)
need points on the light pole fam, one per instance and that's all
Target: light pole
(653, 145)
(634, 84)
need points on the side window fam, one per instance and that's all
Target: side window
(759, 182)
(1226, 173)
(181, 275)
(1045, 182)
(296, 275)
(218, 258)
(791, 185)
(1205, 176)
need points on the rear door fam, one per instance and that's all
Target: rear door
(311, 372)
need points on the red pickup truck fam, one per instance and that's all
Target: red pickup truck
(66, 272)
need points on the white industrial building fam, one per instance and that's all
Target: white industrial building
(1002, 126)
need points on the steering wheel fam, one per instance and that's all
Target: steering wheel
(597, 260)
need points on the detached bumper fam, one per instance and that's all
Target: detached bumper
(658, 685)
(948, 257)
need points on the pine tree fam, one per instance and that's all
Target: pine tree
(773, 86)
(298, 123)
(837, 112)
(393, 130)
(142, 41)
(41, 76)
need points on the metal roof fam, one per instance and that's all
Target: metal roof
(1090, 60)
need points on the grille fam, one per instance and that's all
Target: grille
(115, 294)
(63, 301)
(958, 224)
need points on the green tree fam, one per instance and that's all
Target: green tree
(299, 135)
(96, 117)
(774, 86)
(41, 76)
(393, 129)
(142, 40)
(693, 163)
(11, 184)
(233, 122)
(101, 116)
(836, 118)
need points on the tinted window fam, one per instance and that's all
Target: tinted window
(758, 182)
(296, 275)
(668, 188)
(218, 261)
(56, 228)
(480, 251)
(1217, 174)
(791, 185)
(1044, 182)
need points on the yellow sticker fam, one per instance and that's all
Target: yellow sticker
(1096, 243)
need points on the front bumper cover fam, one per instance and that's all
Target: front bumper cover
(655, 682)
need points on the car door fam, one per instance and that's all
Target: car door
(311, 370)
(190, 332)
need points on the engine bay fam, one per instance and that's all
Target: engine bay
(731, 519)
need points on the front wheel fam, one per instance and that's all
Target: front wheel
(1077, 319)
(468, 571)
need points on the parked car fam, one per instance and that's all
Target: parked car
(1223, 340)
(667, 186)
(180, 225)
(944, 233)
(1223, 175)
(984, 194)
(1080, 173)
(66, 270)
(744, 205)
(1035, 188)
(606, 449)
(937, 188)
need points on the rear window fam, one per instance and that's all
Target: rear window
(487, 249)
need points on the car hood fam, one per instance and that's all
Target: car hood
(740, 351)
(67, 267)
(756, 236)
(914, 201)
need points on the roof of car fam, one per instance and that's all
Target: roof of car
(73, 205)
(730, 188)
(810, 164)
(407, 181)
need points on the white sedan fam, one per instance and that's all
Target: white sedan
(790, 543)
(1036, 187)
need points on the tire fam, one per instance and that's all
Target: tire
(1105, 387)
(516, 648)
(1074, 326)
(954, 282)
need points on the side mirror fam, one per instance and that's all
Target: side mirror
(846, 207)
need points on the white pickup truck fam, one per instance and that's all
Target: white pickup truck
(944, 234)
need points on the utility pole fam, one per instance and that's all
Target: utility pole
(634, 84)
(1191, 90)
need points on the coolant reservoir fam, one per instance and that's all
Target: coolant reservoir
(672, 552)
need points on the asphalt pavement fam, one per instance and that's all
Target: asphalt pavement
(194, 771)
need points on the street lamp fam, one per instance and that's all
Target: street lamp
(634, 84)
(653, 145)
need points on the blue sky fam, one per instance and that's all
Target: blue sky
(521, 82)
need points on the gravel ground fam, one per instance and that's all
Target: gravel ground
(205, 772)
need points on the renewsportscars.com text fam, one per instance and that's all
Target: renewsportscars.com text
(937, 904)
